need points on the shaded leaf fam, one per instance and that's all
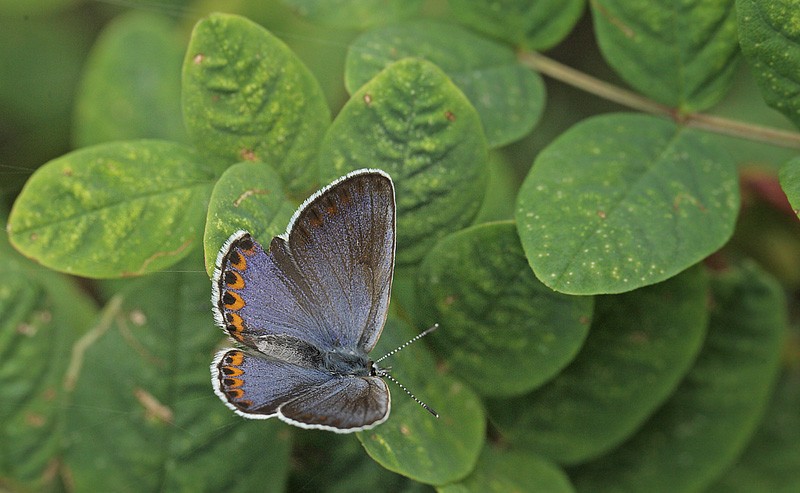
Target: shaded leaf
(639, 347)
(247, 196)
(504, 471)
(145, 416)
(536, 25)
(413, 123)
(509, 97)
(771, 460)
(502, 184)
(708, 421)
(413, 442)
(622, 201)
(769, 33)
(247, 97)
(502, 331)
(117, 209)
(347, 14)
(41, 316)
(131, 83)
(682, 54)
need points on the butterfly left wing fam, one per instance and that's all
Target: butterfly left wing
(342, 240)
(343, 404)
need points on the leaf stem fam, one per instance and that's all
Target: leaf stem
(593, 85)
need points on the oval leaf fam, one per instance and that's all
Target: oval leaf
(509, 97)
(118, 209)
(347, 14)
(681, 54)
(247, 97)
(247, 196)
(504, 471)
(640, 346)
(770, 37)
(502, 330)
(146, 418)
(707, 422)
(536, 25)
(622, 201)
(131, 85)
(413, 442)
(790, 182)
(413, 123)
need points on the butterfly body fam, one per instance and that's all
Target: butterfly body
(309, 309)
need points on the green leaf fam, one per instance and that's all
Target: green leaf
(502, 184)
(412, 122)
(769, 33)
(772, 459)
(536, 25)
(790, 182)
(502, 330)
(346, 14)
(247, 97)
(682, 54)
(623, 201)
(131, 85)
(709, 419)
(34, 7)
(639, 347)
(145, 416)
(118, 209)
(247, 196)
(504, 471)
(509, 97)
(413, 442)
(42, 314)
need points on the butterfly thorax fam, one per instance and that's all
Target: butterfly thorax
(341, 361)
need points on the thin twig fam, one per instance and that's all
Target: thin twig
(593, 85)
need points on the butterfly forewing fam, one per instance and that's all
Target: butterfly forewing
(343, 241)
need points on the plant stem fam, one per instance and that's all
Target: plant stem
(593, 85)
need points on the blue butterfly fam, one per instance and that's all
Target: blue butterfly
(309, 309)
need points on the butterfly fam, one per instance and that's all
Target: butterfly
(309, 309)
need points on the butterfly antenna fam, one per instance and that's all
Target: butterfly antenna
(427, 407)
(419, 336)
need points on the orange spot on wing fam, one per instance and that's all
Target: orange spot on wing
(238, 261)
(238, 281)
(232, 300)
(235, 358)
(232, 382)
(232, 371)
(235, 393)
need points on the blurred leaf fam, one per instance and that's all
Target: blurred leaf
(34, 105)
(509, 97)
(118, 209)
(247, 97)
(34, 7)
(623, 201)
(682, 54)
(769, 33)
(502, 330)
(131, 83)
(145, 416)
(771, 460)
(505, 471)
(247, 196)
(413, 123)
(790, 182)
(501, 184)
(413, 442)
(714, 412)
(347, 14)
(536, 25)
(639, 347)
(42, 314)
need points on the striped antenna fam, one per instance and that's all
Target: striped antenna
(419, 336)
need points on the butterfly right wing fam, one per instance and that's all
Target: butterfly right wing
(256, 387)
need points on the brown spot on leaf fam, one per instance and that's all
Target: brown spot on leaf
(450, 116)
(601, 214)
(367, 98)
(248, 193)
(248, 155)
(198, 59)
(152, 407)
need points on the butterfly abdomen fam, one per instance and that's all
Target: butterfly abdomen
(346, 362)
